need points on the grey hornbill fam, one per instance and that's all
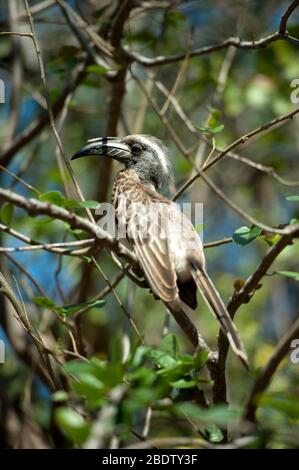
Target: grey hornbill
(173, 267)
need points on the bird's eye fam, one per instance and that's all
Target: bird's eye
(136, 149)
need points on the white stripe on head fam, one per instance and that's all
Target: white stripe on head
(159, 151)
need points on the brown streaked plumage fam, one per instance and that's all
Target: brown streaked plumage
(165, 242)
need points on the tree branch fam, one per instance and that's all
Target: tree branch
(241, 297)
(285, 17)
(34, 208)
(241, 140)
(280, 35)
(234, 42)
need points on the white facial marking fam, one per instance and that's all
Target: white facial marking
(158, 150)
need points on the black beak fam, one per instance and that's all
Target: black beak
(112, 147)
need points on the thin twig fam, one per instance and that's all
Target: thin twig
(118, 300)
(20, 180)
(35, 127)
(15, 33)
(49, 376)
(224, 241)
(61, 248)
(259, 130)
(285, 17)
(27, 274)
(50, 110)
(280, 35)
(269, 170)
(102, 293)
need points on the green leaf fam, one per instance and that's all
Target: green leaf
(44, 221)
(98, 69)
(54, 197)
(271, 239)
(169, 345)
(294, 198)
(244, 235)
(6, 213)
(70, 309)
(44, 302)
(143, 375)
(293, 274)
(201, 359)
(77, 367)
(89, 204)
(186, 360)
(162, 359)
(220, 415)
(89, 386)
(72, 423)
(214, 433)
(215, 118)
(211, 130)
(171, 374)
(287, 404)
(76, 231)
(72, 203)
(60, 395)
(139, 356)
(184, 383)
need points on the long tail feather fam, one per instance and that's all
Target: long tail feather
(217, 307)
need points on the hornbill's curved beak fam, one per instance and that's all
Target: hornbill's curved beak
(112, 147)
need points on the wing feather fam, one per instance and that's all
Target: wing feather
(152, 250)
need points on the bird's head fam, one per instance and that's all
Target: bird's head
(144, 154)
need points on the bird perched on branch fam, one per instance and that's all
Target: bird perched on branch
(165, 242)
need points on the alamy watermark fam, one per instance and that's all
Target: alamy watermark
(2, 91)
(2, 351)
(294, 96)
(149, 221)
(294, 356)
